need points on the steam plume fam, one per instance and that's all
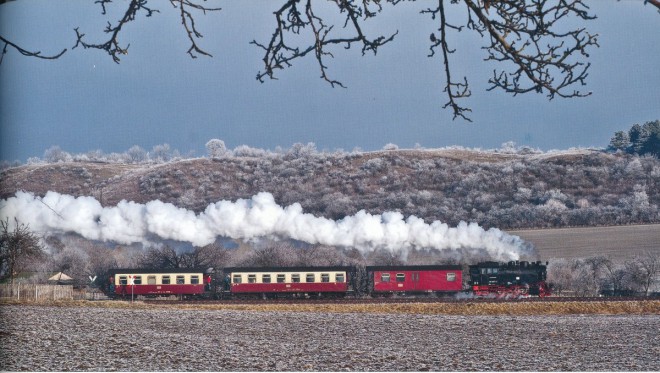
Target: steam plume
(258, 217)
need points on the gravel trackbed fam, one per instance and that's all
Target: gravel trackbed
(42, 338)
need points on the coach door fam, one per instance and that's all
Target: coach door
(415, 280)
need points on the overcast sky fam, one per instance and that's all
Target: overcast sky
(158, 94)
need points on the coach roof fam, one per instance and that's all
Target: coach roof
(415, 268)
(130, 271)
(288, 269)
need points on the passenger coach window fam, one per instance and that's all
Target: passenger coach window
(252, 279)
(451, 276)
(166, 280)
(400, 277)
(237, 279)
(385, 277)
(123, 280)
(151, 280)
(194, 280)
(180, 280)
(295, 277)
(265, 279)
(137, 280)
(281, 278)
(339, 277)
(310, 277)
(325, 277)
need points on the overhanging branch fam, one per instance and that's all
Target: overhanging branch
(26, 52)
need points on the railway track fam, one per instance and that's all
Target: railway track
(398, 300)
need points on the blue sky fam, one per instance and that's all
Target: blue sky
(158, 94)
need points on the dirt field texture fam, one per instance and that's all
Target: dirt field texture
(619, 242)
(46, 338)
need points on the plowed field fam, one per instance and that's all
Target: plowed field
(42, 338)
(619, 243)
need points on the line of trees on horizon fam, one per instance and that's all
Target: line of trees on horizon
(638, 140)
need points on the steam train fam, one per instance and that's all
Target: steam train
(486, 279)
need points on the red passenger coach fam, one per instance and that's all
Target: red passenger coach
(158, 282)
(288, 281)
(434, 279)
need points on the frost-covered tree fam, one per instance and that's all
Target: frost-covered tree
(18, 247)
(161, 153)
(561, 275)
(246, 151)
(55, 154)
(390, 146)
(649, 269)
(300, 150)
(215, 148)
(136, 154)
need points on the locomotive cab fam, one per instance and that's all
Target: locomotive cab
(486, 273)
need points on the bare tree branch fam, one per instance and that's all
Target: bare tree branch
(290, 22)
(454, 90)
(527, 38)
(26, 52)
(112, 45)
(655, 3)
(188, 22)
(524, 33)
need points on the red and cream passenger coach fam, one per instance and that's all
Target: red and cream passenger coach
(158, 282)
(311, 281)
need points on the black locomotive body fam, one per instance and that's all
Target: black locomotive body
(512, 279)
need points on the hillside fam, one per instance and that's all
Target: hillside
(507, 190)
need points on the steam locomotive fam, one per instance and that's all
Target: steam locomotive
(486, 279)
(519, 278)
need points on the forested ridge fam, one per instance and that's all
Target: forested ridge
(506, 188)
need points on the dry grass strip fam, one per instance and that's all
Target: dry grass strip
(648, 307)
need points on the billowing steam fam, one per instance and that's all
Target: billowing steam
(258, 217)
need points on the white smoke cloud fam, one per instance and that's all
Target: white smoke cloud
(258, 217)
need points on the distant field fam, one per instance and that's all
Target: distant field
(619, 243)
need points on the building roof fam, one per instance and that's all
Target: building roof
(60, 276)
